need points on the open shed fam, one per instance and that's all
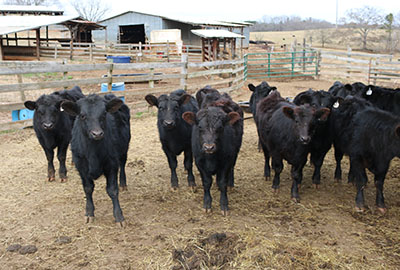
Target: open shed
(16, 42)
(211, 41)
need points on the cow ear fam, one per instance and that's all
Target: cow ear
(70, 107)
(251, 87)
(288, 111)
(184, 99)
(189, 117)
(302, 99)
(152, 100)
(397, 131)
(113, 105)
(348, 87)
(31, 105)
(322, 114)
(233, 117)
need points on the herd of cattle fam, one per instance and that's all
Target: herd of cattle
(359, 120)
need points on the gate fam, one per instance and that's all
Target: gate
(281, 64)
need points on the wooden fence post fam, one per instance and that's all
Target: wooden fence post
(90, 52)
(55, 52)
(22, 92)
(151, 82)
(184, 71)
(167, 51)
(304, 55)
(65, 73)
(348, 62)
(109, 75)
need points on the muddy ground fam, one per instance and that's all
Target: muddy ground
(168, 230)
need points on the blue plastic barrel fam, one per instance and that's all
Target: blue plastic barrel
(22, 114)
(119, 86)
(119, 59)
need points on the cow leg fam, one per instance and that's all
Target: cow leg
(222, 181)
(172, 165)
(361, 180)
(267, 169)
(277, 165)
(231, 178)
(122, 175)
(188, 163)
(338, 170)
(112, 191)
(51, 172)
(207, 182)
(62, 156)
(317, 160)
(350, 176)
(297, 175)
(380, 200)
(88, 187)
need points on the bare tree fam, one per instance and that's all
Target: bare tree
(388, 25)
(91, 10)
(363, 20)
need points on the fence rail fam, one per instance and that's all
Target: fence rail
(139, 79)
(367, 68)
(281, 64)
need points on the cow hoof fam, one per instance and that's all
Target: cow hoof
(275, 191)
(63, 180)
(89, 219)
(174, 189)
(225, 213)
(360, 209)
(296, 200)
(316, 186)
(267, 178)
(382, 210)
(123, 188)
(193, 189)
(338, 180)
(51, 179)
(121, 224)
(207, 210)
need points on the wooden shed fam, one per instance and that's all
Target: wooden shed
(16, 41)
(218, 44)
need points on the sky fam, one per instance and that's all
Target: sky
(244, 10)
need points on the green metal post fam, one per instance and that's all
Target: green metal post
(293, 63)
(269, 65)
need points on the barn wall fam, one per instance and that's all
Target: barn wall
(187, 36)
(150, 23)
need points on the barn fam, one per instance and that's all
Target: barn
(135, 27)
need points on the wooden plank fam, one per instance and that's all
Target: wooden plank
(55, 67)
(209, 72)
(215, 63)
(16, 125)
(347, 59)
(44, 85)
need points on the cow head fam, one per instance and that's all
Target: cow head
(210, 124)
(259, 92)
(47, 110)
(169, 108)
(91, 113)
(304, 118)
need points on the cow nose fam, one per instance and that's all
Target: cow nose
(209, 148)
(305, 139)
(47, 125)
(97, 134)
(168, 123)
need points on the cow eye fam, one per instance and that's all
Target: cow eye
(83, 116)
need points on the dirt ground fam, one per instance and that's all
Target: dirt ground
(169, 230)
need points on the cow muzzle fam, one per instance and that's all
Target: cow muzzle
(209, 148)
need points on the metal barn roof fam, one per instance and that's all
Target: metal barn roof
(13, 24)
(215, 33)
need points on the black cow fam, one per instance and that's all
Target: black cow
(285, 132)
(387, 99)
(216, 140)
(258, 93)
(322, 139)
(99, 145)
(375, 141)
(339, 89)
(341, 128)
(175, 134)
(53, 127)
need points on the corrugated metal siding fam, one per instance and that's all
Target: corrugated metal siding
(187, 36)
(133, 18)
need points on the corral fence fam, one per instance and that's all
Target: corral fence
(281, 64)
(146, 52)
(377, 69)
(21, 81)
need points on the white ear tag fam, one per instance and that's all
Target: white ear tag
(369, 92)
(61, 109)
(336, 104)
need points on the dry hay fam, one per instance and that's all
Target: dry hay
(168, 230)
